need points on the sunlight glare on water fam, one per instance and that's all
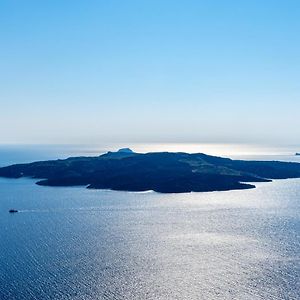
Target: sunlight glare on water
(74, 243)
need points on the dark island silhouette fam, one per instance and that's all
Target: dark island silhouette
(163, 172)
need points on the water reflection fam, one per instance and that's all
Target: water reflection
(73, 243)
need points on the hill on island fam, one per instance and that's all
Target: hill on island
(163, 172)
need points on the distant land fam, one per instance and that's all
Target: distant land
(163, 172)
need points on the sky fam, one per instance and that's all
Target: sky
(150, 71)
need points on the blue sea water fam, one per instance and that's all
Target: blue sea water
(74, 243)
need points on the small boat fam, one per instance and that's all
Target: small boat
(12, 211)
(297, 154)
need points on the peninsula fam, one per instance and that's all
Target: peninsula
(163, 172)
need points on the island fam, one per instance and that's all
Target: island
(163, 172)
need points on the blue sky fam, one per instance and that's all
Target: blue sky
(149, 71)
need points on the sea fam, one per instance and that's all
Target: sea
(75, 243)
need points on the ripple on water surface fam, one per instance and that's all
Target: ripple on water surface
(73, 243)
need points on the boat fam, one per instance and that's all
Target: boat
(12, 211)
(297, 154)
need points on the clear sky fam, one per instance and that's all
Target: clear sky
(150, 71)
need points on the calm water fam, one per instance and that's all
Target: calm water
(74, 243)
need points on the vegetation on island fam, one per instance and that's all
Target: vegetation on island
(163, 172)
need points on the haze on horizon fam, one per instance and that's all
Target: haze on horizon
(150, 71)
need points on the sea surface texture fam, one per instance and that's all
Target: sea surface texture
(74, 243)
